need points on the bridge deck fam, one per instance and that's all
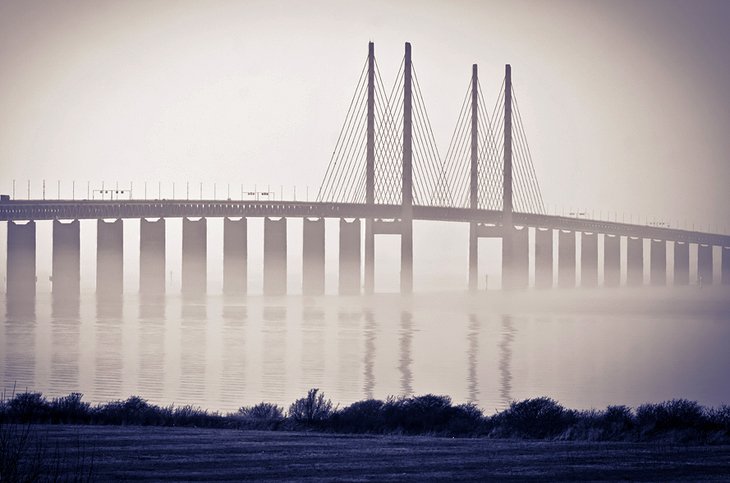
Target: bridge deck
(93, 209)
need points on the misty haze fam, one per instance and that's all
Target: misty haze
(514, 213)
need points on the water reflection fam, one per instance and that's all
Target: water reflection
(151, 344)
(222, 353)
(313, 346)
(348, 360)
(235, 349)
(472, 339)
(20, 346)
(505, 360)
(65, 336)
(274, 354)
(151, 307)
(405, 360)
(369, 356)
(192, 350)
(109, 348)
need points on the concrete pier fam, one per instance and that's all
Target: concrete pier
(658, 263)
(725, 264)
(235, 256)
(349, 263)
(566, 259)
(152, 257)
(543, 258)
(21, 261)
(681, 263)
(66, 261)
(634, 261)
(611, 261)
(313, 257)
(704, 264)
(109, 258)
(520, 258)
(589, 260)
(369, 268)
(274, 256)
(194, 257)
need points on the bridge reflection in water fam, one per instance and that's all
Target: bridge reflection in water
(222, 352)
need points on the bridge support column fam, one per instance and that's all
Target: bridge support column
(21, 262)
(235, 256)
(520, 276)
(588, 260)
(634, 261)
(704, 264)
(110, 258)
(313, 257)
(725, 272)
(194, 257)
(152, 257)
(473, 256)
(349, 269)
(611, 260)
(543, 258)
(369, 256)
(566, 259)
(658, 257)
(681, 263)
(274, 256)
(66, 267)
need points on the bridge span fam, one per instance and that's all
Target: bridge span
(23, 210)
(550, 234)
(386, 172)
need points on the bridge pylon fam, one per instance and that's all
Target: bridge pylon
(370, 174)
(508, 227)
(474, 180)
(406, 237)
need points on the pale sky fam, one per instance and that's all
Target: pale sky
(625, 104)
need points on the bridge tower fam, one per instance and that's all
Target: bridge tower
(406, 239)
(370, 174)
(507, 221)
(474, 179)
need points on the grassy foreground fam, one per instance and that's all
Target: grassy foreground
(162, 453)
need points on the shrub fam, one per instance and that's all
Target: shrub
(467, 419)
(360, 417)
(313, 408)
(189, 415)
(616, 421)
(536, 418)
(720, 418)
(134, 410)
(677, 414)
(70, 409)
(421, 414)
(28, 407)
(262, 411)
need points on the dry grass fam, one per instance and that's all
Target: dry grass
(157, 453)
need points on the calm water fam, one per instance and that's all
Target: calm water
(221, 353)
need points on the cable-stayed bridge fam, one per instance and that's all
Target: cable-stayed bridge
(385, 171)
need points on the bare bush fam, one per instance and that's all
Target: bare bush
(312, 408)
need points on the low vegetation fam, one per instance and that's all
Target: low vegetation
(678, 420)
